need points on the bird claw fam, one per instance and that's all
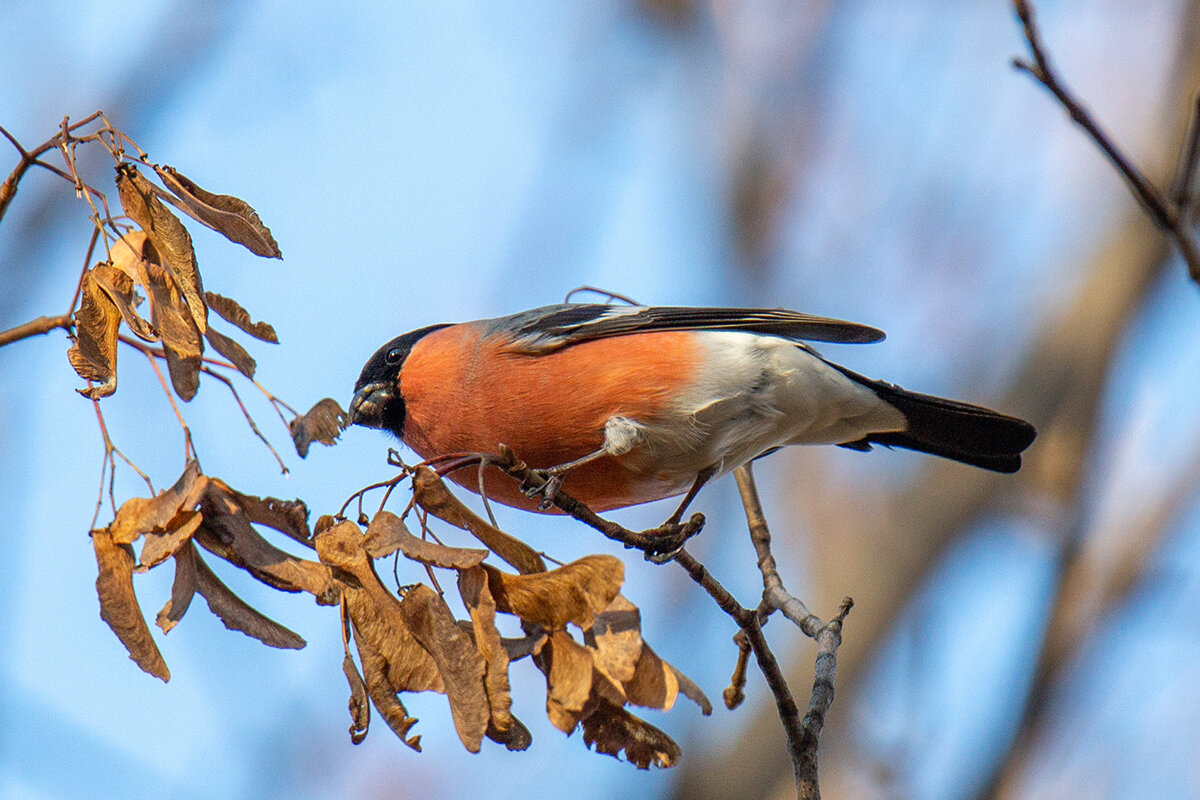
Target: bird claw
(547, 490)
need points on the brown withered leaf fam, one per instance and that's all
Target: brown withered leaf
(379, 625)
(473, 587)
(181, 340)
(654, 683)
(140, 515)
(460, 664)
(616, 636)
(323, 423)
(183, 589)
(432, 494)
(621, 654)
(244, 547)
(158, 547)
(360, 706)
(524, 646)
(229, 310)
(93, 354)
(387, 533)
(118, 286)
(611, 729)
(238, 615)
(119, 606)
(382, 691)
(569, 672)
(517, 737)
(170, 240)
(233, 351)
(225, 214)
(227, 532)
(289, 517)
(574, 592)
(691, 691)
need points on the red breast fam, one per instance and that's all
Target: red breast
(464, 393)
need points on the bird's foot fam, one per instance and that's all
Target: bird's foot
(542, 484)
(665, 541)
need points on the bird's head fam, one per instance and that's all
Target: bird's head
(378, 402)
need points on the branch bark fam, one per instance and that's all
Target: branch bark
(35, 327)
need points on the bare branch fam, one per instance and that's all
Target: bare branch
(1170, 216)
(35, 327)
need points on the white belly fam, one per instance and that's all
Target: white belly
(757, 392)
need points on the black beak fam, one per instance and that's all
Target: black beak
(369, 401)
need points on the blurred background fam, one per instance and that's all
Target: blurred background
(1032, 636)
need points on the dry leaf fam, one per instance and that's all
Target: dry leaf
(140, 515)
(323, 423)
(183, 589)
(517, 737)
(94, 351)
(289, 517)
(621, 654)
(524, 646)
(118, 286)
(654, 683)
(171, 242)
(227, 215)
(158, 547)
(181, 340)
(359, 706)
(227, 533)
(575, 592)
(388, 533)
(383, 693)
(611, 729)
(460, 664)
(233, 351)
(233, 539)
(375, 612)
(432, 495)
(229, 310)
(616, 636)
(119, 606)
(473, 587)
(568, 668)
(236, 614)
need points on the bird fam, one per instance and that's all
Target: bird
(619, 405)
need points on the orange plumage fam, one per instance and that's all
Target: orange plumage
(465, 393)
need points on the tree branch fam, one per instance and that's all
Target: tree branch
(35, 327)
(666, 543)
(1170, 215)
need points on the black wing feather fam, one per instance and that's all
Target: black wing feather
(545, 329)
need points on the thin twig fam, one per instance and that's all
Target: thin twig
(827, 635)
(1168, 215)
(774, 595)
(189, 450)
(1041, 71)
(35, 327)
(245, 413)
(658, 544)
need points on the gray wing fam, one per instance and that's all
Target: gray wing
(542, 330)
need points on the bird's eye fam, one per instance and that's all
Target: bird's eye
(394, 356)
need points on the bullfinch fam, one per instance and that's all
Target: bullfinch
(620, 405)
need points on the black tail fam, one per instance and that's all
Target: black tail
(960, 431)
